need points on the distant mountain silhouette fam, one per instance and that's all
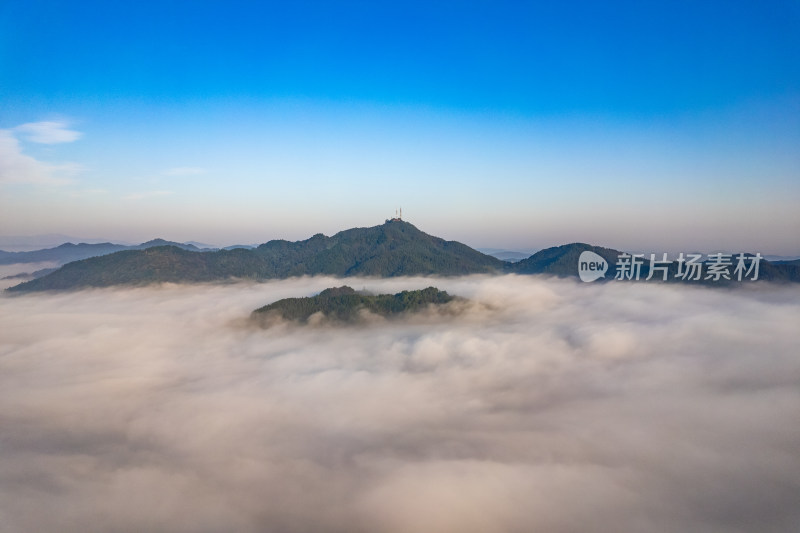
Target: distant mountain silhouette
(504, 255)
(562, 261)
(69, 252)
(395, 248)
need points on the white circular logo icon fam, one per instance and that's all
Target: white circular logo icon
(591, 266)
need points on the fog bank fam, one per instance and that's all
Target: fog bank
(554, 406)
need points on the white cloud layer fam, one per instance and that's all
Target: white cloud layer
(48, 132)
(559, 407)
(16, 167)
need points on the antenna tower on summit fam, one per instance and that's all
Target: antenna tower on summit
(398, 215)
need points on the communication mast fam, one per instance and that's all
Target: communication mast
(398, 215)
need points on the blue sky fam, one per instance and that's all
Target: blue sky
(667, 126)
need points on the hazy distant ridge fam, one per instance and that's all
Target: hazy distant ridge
(395, 248)
(68, 252)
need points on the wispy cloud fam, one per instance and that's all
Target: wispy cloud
(184, 171)
(16, 167)
(146, 194)
(48, 132)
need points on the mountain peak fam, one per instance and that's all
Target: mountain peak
(395, 248)
(158, 242)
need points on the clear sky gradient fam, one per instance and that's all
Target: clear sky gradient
(669, 126)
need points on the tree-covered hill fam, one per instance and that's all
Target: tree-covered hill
(562, 260)
(343, 304)
(395, 248)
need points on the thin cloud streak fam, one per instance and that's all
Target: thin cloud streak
(552, 406)
(48, 132)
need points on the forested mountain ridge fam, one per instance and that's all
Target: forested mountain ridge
(395, 248)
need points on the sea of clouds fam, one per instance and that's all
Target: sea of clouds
(550, 405)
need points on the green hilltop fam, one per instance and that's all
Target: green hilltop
(344, 304)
